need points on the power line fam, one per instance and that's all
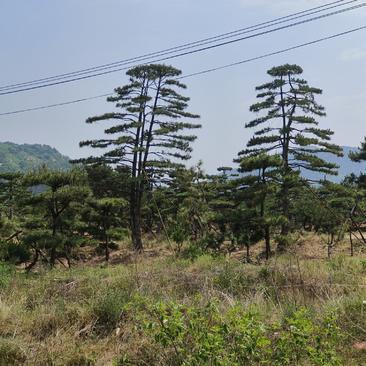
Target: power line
(55, 105)
(188, 52)
(185, 46)
(274, 53)
(203, 71)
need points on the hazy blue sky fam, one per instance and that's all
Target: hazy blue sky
(43, 37)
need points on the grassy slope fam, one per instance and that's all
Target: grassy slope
(110, 315)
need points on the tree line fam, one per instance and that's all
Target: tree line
(141, 184)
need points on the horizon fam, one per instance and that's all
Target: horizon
(346, 165)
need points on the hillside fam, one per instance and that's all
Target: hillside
(14, 157)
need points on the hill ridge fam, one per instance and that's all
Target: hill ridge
(26, 157)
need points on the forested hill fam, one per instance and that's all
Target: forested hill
(26, 157)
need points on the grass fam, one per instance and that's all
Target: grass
(175, 311)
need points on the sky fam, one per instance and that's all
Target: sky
(42, 38)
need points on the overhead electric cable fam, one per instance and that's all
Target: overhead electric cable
(188, 52)
(186, 46)
(201, 72)
(55, 105)
(274, 53)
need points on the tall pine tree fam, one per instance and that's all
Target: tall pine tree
(147, 137)
(288, 126)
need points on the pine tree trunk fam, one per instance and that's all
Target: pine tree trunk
(351, 242)
(267, 237)
(68, 259)
(53, 249)
(106, 248)
(53, 256)
(248, 252)
(268, 242)
(135, 213)
(281, 247)
(285, 208)
(136, 232)
(330, 245)
(282, 243)
(34, 261)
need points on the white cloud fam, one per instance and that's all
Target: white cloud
(354, 54)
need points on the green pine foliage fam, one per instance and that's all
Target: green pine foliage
(359, 155)
(104, 216)
(287, 125)
(289, 103)
(53, 216)
(148, 138)
(257, 192)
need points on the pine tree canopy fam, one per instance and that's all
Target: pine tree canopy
(359, 155)
(152, 115)
(288, 125)
(147, 138)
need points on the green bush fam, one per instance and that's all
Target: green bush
(202, 335)
(108, 306)
(192, 252)
(352, 318)
(363, 265)
(301, 337)
(234, 279)
(11, 353)
(14, 253)
(7, 272)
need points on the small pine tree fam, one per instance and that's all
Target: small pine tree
(12, 192)
(103, 217)
(48, 222)
(260, 181)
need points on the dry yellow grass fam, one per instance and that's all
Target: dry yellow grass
(87, 315)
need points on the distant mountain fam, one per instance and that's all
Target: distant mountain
(346, 166)
(26, 157)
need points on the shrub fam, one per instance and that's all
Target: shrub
(352, 318)
(303, 338)
(191, 335)
(11, 353)
(14, 253)
(194, 335)
(192, 252)
(363, 265)
(7, 272)
(235, 279)
(108, 306)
